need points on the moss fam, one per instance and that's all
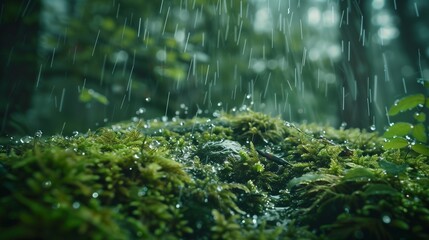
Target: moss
(244, 176)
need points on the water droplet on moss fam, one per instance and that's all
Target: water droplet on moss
(95, 194)
(26, 139)
(76, 205)
(154, 144)
(142, 192)
(38, 133)
(386, 219)
(47, 184)
(141, 111)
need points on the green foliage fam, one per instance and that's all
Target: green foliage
(206, 179)
(412, 135)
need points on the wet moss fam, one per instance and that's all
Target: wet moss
(244, 176)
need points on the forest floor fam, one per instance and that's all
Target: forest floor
(243, 176)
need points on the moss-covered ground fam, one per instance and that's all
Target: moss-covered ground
(247, 176)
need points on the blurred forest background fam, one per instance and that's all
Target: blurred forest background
(70, 65)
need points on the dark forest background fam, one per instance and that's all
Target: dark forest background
(72, 65)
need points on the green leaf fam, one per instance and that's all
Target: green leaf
(310, 177)
(400, 224)
(392, 168)
(420, 117)
(407, 103)
(419, 133)
(88, 95)
(358, 174)
(399, 129)
(395, 143)
(420, 148)
(380, 189)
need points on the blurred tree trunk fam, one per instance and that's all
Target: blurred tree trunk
(414, 30)
(355, 66)
(19, 26)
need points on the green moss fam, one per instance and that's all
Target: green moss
(247, 176)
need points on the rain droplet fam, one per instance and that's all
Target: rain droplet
(141, 111)
(47, 184)
(95, 194)
(142, 192)
(386, 219)
(76, 205)
(26, 139)
(154, 144)
(38, 133)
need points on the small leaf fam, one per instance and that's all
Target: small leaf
(399, 129)
(407, 103)
(395, 143)
(420, 117)
(392, 168)
(358, 174)
(420, 148)
(419, 133)
(400, 224)
(310, 177)
(380, 189)
(89, 95)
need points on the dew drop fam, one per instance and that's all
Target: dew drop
(26, 139)
(38, 133)
(142, 192)
(95, 194)
(47, 184)
(386, 219)
(76, 205)
(154, 144)
(141, 111)
(135, 119)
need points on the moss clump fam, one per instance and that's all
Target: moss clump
(247, 176)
